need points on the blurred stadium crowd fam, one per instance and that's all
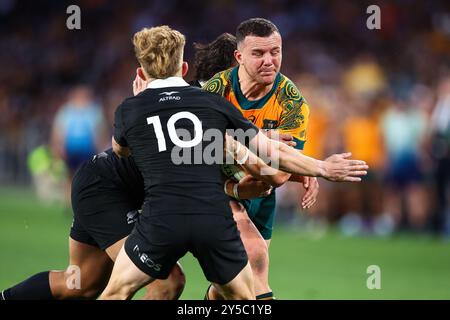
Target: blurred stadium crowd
(382, 94)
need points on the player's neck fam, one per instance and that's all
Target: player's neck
(178, 74)
(251, 89)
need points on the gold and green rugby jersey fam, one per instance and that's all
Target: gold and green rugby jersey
(283, 108)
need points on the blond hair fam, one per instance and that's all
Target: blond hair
(159, 50)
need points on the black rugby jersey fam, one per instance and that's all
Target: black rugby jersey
(150, 124)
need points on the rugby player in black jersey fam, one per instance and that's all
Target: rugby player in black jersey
(107, 193)
(185, 208)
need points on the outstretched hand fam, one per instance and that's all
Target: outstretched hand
(340, 168)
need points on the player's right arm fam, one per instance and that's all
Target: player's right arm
(278, 178)
(335, 168)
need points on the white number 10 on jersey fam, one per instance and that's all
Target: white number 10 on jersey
(156, 122)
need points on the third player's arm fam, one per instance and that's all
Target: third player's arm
(121, 151)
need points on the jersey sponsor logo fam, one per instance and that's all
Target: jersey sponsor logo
(169, 93)
(146, 260)
(169, 96)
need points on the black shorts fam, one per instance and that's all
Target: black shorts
(103, 213)
(158, 242)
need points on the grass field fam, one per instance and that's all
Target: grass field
(33, 238)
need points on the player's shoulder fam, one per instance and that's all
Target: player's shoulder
(217, 102)
(288, 91)
(127, 102)
(218, 83)
(206, 98)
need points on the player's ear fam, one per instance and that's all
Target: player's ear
(238, 56)
(141, 74)
(184, 68)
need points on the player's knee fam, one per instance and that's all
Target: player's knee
(118, 291)
(258, 256)
(80, 286)
(90, 293)
(178, 281)
(83, 291)
(174, 285)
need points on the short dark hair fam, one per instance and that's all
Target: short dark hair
(214, 57)
(259, 27)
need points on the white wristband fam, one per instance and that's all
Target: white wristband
(225, 186)
(235, 191)
(244, 158)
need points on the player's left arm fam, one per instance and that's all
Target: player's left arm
(118, 140)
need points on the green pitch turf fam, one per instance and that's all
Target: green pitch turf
(33, 238)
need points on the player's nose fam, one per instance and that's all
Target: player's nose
(268, 60)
